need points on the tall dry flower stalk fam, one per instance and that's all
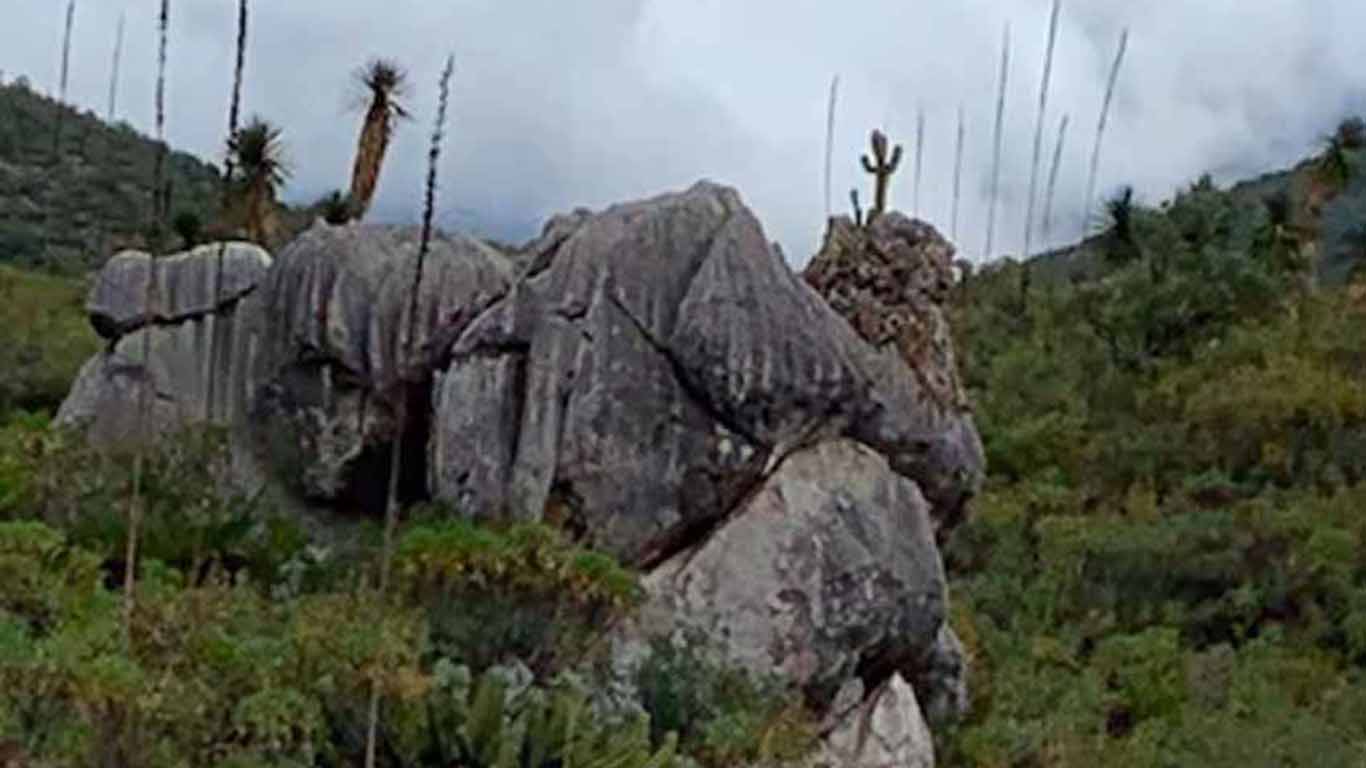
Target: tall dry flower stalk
(234, 110)
(830, 140)
(410, 335)
(114, 69)
(60, 106)
(1053, 182)
(149, 310)
(957, 174)
(919, 160)
(1038, 130)
(998, 142)
(1100, 132)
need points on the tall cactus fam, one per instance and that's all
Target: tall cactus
(881, 167)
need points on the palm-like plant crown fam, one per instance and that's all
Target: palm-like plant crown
(383, 85)
(258, 158)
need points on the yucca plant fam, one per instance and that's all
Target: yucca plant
(478, 725)
(1334, 165)
(1119, 211)
(261, 168)
(383, 84)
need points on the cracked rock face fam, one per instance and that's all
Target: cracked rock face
(650, 371)
(829, 574)
(337, 307)
(189, 327)
(653, 378)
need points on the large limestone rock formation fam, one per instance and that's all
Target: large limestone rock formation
(776, 453)
(331, 369)
(658, 367)
(195, 317)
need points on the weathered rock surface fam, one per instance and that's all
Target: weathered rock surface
(189, 286)
(189, 328)
(829, 573)
(337, 310)
(890, 280)
(647, 374)
(887, 731)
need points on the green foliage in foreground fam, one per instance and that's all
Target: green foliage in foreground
(1169, 565)
(252, 644)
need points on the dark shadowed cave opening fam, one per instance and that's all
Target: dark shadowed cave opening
(367, 486)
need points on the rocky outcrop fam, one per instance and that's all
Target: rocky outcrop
(776, 453)
(650, 375)
(189, 328)
(890, 280)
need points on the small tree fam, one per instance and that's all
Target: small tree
(1351, 133)
(189, 227)
(1334, 165)
(1119, 212)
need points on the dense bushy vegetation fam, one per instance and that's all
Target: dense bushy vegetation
(256, 643)
(1169, 565)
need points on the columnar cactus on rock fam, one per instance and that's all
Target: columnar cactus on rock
(881, 167)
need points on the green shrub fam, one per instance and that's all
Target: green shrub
(722, 715)
(523, 592)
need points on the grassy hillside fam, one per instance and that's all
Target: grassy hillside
(44, 339)
(67, 210)
(1326, 212)
(1169, 565)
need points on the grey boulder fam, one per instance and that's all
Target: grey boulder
(653, 366)
(828, 573)
(172, 357)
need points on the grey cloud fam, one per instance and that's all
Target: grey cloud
(560, 104)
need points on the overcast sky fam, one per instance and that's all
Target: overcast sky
(566, 103)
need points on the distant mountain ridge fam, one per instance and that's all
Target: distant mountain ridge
(68, 199)
(1325, 217)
